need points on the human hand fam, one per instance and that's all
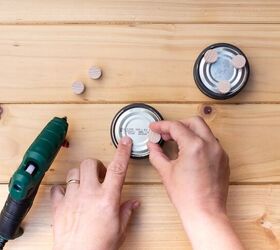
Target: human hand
(88, 215)
(198, 179)
(197, 182)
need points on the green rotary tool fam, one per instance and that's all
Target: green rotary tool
(26, 180)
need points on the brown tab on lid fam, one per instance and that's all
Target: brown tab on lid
(224, 86)
(154, 137)
(238, 61)
(211, 56)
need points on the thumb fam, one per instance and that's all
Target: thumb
(126, 211)
(157, 158)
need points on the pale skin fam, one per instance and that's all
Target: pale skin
(90, 216)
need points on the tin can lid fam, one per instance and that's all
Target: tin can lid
(133, 121)
(221, 71)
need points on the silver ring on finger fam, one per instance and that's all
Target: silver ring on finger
(73, 181)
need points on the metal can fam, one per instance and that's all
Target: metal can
(221, 71)
(133, 121)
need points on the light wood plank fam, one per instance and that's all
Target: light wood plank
(166, 11)
(254, 211)
(250, 134)
(140, 63)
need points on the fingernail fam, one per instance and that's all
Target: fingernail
(135, 204)
(126, 140)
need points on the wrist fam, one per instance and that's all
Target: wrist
(204, 227)
(200, 209)
(199, 215)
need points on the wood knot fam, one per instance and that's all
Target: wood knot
(207, 111)
(268, 229)
(265, 223)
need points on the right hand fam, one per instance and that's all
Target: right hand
(197, 182)
(198, 179)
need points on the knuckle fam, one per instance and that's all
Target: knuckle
(177, 124)
(219, 152)
(117, 168)
(221, 155)
(198, 146)
(72, 172)
(122, 150)
(88, 163)
(197, 119)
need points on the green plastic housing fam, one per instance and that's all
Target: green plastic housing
(41, 154)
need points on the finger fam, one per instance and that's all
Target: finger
(72, 188)
(126, 211)
(90, 171)
(117, 169)
(157, 158)
(57, 195)
(199, 127)
(166, 137)
(176, 130)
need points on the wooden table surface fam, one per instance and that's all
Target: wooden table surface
(146, 50)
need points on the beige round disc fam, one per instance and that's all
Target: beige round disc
(238, 61)
(78, 87)
(154, 137)
(95, 73)
(224, 87)
(210, 56)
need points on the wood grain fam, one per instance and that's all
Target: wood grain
(151, 63)
(253, 210)
(165, 11)
(146, 50)
(249, 132)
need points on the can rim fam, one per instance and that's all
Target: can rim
(200, 84)
(124, 109)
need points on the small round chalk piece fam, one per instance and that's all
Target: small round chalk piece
(154, 137)
(210, 56)
(238, 61)
(95, 73)
(224, 86)
(78, 87)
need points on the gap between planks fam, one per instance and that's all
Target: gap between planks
(214, 102)
(38, 23)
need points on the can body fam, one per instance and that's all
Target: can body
(133, 121)
(221, 71)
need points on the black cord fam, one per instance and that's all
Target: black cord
(2, 243)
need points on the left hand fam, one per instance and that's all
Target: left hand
(89, 215)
